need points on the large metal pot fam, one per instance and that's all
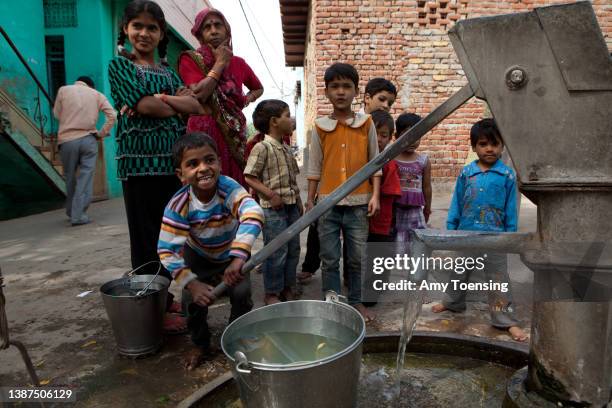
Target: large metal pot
(137, 317)
(328, 382)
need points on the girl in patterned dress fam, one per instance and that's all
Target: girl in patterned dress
(150, 97)
(413, 208)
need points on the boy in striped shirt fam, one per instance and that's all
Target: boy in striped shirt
(207, 232)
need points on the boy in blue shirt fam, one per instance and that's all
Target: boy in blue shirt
(485, 200)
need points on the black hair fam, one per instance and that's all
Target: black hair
(133, 10)
(485, 128)
(191, 140)
(383, 118)
(376, 85)
(266, 110)
(87, 80)
(406, 121)
(340, 70)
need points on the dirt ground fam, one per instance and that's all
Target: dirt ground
(46, 263)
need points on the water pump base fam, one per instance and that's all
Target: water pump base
(517, 395)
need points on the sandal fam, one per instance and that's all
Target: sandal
(174, 324)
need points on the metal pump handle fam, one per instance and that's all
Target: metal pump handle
(407, 138)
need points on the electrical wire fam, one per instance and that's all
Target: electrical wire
(263, 32)
(180, 10)
(281, 90)
(259, 49)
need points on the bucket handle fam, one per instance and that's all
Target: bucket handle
(331, 296)
(241, 363)
(133, 271)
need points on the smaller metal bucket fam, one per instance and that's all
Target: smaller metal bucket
(331, 381)
(137, 320)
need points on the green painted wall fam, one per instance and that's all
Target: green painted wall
(175, 47)
(88, 48)
(24, 23)
(107, 50)
(23, 190)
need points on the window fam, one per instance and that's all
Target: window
(60, 13)
(56, 70)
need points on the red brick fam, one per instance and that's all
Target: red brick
(389, 39)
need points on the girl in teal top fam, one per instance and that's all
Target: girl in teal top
(149, 97)
(144, 142)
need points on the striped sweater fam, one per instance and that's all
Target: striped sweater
(223, 228)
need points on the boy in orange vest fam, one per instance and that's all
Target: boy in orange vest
(341, 144)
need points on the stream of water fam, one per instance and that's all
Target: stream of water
(411, 310)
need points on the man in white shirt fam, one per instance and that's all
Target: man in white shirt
(77, 107)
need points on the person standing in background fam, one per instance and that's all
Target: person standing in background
(77, 108)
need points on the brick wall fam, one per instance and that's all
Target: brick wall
(312, 85)
(406, 42)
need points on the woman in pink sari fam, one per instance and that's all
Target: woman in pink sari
(216, 76)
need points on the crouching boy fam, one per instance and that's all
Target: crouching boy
(206, 236)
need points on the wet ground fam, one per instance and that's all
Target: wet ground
(426, 381)
(46, 264)
(431, 381)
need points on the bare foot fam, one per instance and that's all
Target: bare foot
(271, 299)
(304, 277)
(193, 358)
(517, 333)
(368, 315)
(438, 308)
(174, 324)
(287, 294)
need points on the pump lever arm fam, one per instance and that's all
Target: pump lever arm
(407, 138)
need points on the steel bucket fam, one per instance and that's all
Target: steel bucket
(328, 382)
(137, 320)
